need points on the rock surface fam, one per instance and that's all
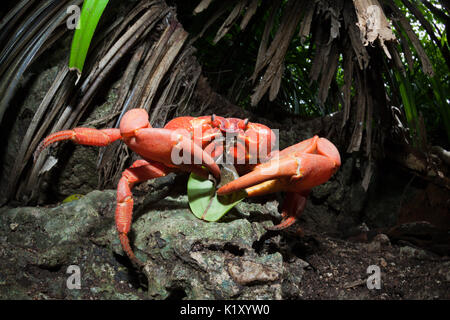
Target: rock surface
(187, 258)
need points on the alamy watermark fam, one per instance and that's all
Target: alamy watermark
(73, 21)
(374, 280)
(74, 280)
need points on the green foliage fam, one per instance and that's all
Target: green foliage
(204, 202)
(230, 63)
(73, 197)
(297, 94)
(441, 103)
(90, 15)
(409, 105)
(422, 95)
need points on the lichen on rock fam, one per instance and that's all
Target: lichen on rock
(185, 257)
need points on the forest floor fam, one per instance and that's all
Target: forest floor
(341, 270)
(38, 244)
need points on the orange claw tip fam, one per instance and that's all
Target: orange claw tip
(208, 162)
(224, 190)
(54, 137)
(325, 147)
(125, 242)
(284, 224)
(200, 157)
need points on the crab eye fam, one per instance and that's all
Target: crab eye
(215, 122)
(243, 124)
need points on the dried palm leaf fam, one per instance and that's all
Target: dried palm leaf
(251, 10)
(30, 36)
(372, 23)
(240, 5)
(202, 6)
(277, 50)
(406, 26)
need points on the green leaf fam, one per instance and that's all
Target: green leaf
(409, 105)
(90, 15)
(204, 202)
(73, 197)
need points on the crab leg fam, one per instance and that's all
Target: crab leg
(293, 171)
(171, 149)
(290, 173)
(85, 136)
(293, 207)
(172, 146)
(140, 171)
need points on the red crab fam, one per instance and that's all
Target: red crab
(195, 144)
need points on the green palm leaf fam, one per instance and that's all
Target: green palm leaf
(90, 15)
(204, 202)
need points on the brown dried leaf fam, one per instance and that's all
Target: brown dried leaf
(373, 24)
(276, 83)
(175, 43)
(353, 32)
(230, 20)
(328, 73)
(404, 23)
(265, 39)
(251, 10)
(202, 6)
(348, 76)
(305, 26)
(275, 54)
(361, 89)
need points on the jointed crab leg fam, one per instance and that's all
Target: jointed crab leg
(158, 146)
(85, 136)
(185, 144)
(295, 170)
(140, 171)
(293, 207)
(171, 149)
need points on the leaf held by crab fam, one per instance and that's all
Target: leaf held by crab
(205, 203)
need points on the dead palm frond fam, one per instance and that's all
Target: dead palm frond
(26, 42)
(362, 32)
(369, 40)
(364, 39)
(151, 42)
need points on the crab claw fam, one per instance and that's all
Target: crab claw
(295, 170)
(85, 136)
